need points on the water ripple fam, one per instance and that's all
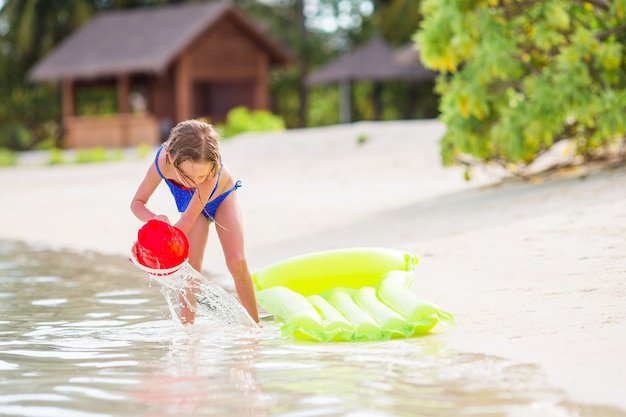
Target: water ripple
(85, 335)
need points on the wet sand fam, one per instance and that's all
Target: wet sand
(534, 271)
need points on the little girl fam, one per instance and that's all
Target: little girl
(190, 163)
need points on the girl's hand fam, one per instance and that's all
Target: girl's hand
(162, 217)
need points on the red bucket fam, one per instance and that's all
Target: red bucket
(160, 248)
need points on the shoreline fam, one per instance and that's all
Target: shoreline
(533, 270)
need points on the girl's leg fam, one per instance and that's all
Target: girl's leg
(197, 236)
(229, 227)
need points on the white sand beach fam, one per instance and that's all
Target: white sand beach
(534, 271)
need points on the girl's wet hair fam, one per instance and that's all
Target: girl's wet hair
(195, 141)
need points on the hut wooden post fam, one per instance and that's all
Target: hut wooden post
(123, 107)
(69, 106)
(261, 94)
(67, 94)
(377, 100)
(123, 91)
(345, 101)
(182, 89)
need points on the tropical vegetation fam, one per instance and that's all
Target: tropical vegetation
(29, 29)
(516, 77)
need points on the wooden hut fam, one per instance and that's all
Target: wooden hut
(162, 65)
(374, 61)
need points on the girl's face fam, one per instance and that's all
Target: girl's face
(194, 173)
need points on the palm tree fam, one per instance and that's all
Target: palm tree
(398, 20)
(33, 27)
(29, 29)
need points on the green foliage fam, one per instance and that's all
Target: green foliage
(400, 100)
(7, 157)
(96, 101)
(46, 144)
(97, 154)
(143, 150)
(29, 29)
(395, 20)
(324, 109)
(240, 120)
(284, 85)
(57, 157)
(84, 156)
(28, 116)
(517, 76)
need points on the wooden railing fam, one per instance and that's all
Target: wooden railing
(121, 130)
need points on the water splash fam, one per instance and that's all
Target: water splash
(211, 302)
(108, 347)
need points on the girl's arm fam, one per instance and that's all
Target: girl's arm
(190, 215)
(198, 201)
(145, 190)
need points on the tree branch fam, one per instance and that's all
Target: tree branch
(612, 31)
(600, 4)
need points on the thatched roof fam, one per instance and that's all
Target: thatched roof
(408, 54)
(374, 61)
(141, 41)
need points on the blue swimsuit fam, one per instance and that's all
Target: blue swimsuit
(183, 195)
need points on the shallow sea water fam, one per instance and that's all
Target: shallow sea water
(90, 335)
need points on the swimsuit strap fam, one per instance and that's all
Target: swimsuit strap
(156, 162)
(218, 179)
